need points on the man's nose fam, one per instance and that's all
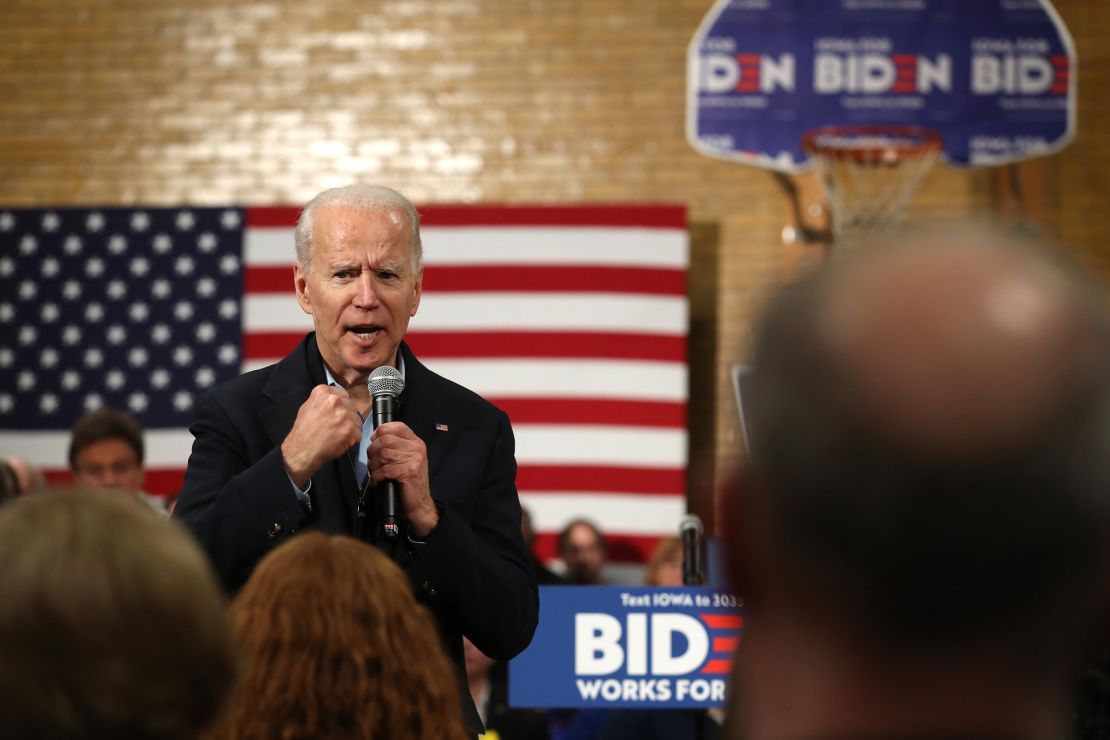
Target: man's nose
(366, 294)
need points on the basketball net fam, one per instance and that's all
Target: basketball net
(869, 174)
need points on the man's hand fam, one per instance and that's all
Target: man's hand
(327, 425)
(397, 454)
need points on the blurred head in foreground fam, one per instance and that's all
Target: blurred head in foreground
(111, 622)
(920, 530)
(335, 645)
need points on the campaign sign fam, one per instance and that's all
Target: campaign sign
(996, 78)
(616, 646)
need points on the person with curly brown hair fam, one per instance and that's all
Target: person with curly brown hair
(352, 655)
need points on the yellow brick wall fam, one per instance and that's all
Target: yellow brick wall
(167, 101)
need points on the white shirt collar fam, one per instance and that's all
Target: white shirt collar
(332, 381)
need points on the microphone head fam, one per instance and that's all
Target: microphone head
(385, 381)
(690, 521)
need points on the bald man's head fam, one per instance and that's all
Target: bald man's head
(955, 342)
(929, 422)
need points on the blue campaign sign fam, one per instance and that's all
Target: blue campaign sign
(614, 646)
(996, 78)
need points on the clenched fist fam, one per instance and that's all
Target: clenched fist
(327, 425)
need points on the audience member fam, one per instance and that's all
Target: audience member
(582, 548)
(336, 645)
(111, 623)
(544, 575)
(106, 450)
(27, 475)
(920, 532)
(664, 568)
(489, 687)
(9, 484)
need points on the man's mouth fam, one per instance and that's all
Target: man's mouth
(365, 333)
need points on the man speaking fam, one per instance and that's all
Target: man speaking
(294, 447)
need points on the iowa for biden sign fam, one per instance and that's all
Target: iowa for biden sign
(632, 647)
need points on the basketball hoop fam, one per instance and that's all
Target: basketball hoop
(869, 173)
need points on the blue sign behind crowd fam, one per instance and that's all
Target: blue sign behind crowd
(614, 646)
(996, 78)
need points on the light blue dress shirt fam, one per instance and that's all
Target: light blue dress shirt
(357, 454)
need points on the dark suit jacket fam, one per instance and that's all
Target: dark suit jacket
(473, 571)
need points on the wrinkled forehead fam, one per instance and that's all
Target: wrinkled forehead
(340, 228)
(334, 220)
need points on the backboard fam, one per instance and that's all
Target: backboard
(996, 78)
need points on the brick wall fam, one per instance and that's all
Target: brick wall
(166, 102)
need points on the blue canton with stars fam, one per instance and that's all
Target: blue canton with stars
(138, 309)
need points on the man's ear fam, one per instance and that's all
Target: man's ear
(418, 291)
(300, 284)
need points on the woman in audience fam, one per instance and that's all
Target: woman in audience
(335, 645)
(665, 566)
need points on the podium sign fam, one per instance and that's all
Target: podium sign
(615, 646)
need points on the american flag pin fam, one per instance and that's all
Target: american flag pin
(441, 427)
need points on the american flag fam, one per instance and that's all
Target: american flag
(573, 319)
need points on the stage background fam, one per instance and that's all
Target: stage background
(564, 101)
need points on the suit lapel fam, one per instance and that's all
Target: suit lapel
(333, 487)
(422, 405)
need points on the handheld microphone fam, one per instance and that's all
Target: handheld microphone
(385, 387)
(691, 530)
